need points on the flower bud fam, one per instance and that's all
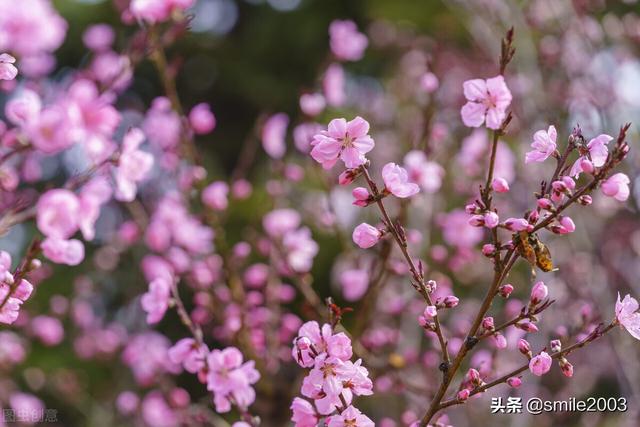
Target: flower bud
(348, 176)
(463, 394)
(476, 221)
(587, 166)
(365, 235)
(488, 324)
(533, 217)
(527, 326)
(566, 367)
(488, 250)
(500, 185)
(538, 293)
(524, 347)
(569, 182)
(505, 290)
(451, 301)
(514, 382)
(472, 209)
(432, 286)
(516, 224)
(491, 220)
(568, 224)
(545, 204)
(559, 186)
(430, 312)
(499, 340)
(585, 200)
(556, 346)
(474, 376)
(360, 193)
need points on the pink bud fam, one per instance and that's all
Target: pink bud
(451, 301)
(538, 293)
(524, 347)
(568, 224)
(365, 235)
(432, 285)
(471, 209)
(569, 182)
(491, 220)
(430, 312)
(541, 364)
(516, 224)
(348, 176)
(559, 186)
(566, 367)
(585, 200)
(488, 324)
(463, 394)
(514, 382)
(586, 166)
(527, 326)
(499, 341)
(360, 193)
(545, 204)
(473, 376)
(505, 290)
(556, 346)
(488, 250)
(533, 217)
(500, 185)
(476, 221)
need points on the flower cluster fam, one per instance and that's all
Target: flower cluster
(333, 380)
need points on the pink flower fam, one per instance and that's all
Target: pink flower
(346, 42)
(274, 132)
(48, 329)
(597, 153)
(514, 382)
(230, 379)
(491, 220)
(429, 82)
(300, 249)
(157, 10)
(333, 85)
(98, 37)
(303, 414)
(188, 353)
(133, 166)
(57, 213)
(617, 186)
(348, 141)
(365, 235)
(162, 125)
(157, 412)
(544, 145)
(396, 181)
(354, 283)
(215, 195)
(156, 301)
(427, 174)
(280, 221)
(517, 224)
(312, 104)
(201, 119)
(8, 71)
(350, 417)
(487, 99)
(311, 341)
(627, 315)
(62, 251)
(540, 364)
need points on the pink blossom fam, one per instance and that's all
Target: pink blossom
(597, 154)
(215, 195)
(514, 382)
(544, 145)
(98, 37)
(48, 329)
(487, 99)
(162, 125)
(300, 249)
(188, 353)
(133, 166)
(23, 108)
(354, 283)
(157, 10)
(156, 301)
(280, 221)
(127, 402)
(346, 42)
(350, 417)
(396, 181)
(617, 186)
(230, 379)
(52, 131)
(30, 27)
(348, 141)
(627, 315)
(312, 104)
(427, 174)
(517, 224)
(63, 251)
(303, 414)
(491, 220)
(333, 85)
(8, 71)
(24, 403)
(540, 364)
(429, 82)
(157, 412)
(273, 135)
(201, 119)
(365, 235)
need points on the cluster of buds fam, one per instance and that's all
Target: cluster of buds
(14, 291)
